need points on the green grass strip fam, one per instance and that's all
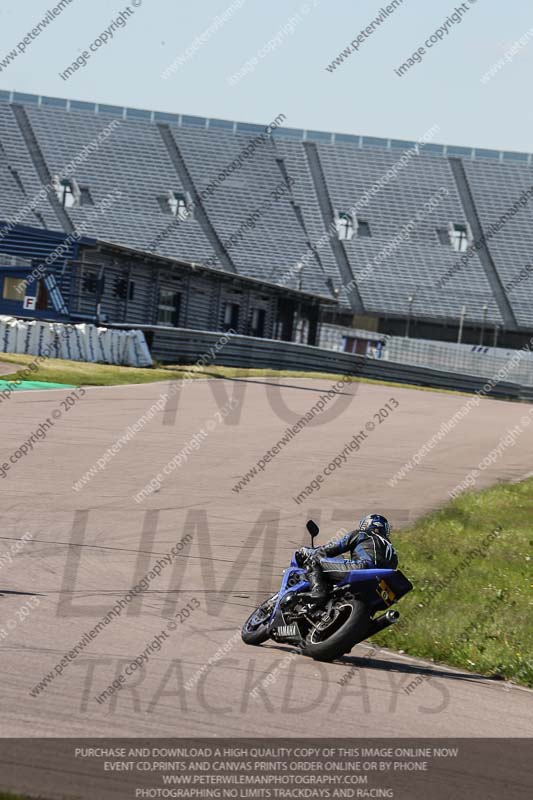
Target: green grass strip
(469, 609)
(77, 373)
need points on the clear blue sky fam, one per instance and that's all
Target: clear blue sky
(363, 95)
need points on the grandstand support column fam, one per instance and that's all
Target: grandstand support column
(215, 321)
(286, 314)
(41, 167)
(326, 208)
(312, 335)
(485, 256)
(200, 213)
(187, 301)
(410, 300)
(128, 289)
(246, 314)
(156, 293)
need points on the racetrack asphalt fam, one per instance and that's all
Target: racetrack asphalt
(89, 547)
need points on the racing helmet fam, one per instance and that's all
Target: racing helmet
(376, 523)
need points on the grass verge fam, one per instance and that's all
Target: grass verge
(77, 373)
(469, 609)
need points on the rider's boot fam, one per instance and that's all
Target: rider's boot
(319, 590)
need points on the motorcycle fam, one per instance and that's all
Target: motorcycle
(349, 616)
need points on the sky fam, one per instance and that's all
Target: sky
(293, 42)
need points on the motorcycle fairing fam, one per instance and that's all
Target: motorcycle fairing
(378, 587)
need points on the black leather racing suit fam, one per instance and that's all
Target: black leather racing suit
(367, 549)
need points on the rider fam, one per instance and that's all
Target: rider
(369, 547)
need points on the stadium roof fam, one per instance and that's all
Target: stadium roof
(193, 266)
(299, 134)
(28, 244)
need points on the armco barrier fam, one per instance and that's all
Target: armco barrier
(183, 346)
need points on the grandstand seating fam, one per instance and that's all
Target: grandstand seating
(495, 188)
(132, 160)
(417, 264)
(305, 197)
(277, 241)
(15, 155)
(135, 159)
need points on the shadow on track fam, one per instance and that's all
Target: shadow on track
(355, 663)
(263, 382)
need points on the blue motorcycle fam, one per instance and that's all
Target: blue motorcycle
(349, 615)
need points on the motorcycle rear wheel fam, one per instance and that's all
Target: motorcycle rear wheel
(350, 626)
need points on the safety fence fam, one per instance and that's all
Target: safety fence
(183, 346)
(467, 359)
(464, 358)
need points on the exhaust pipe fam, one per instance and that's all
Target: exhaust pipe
(387, 619)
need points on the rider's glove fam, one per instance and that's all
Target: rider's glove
(302, 555)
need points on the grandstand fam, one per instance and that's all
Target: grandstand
(437, 243)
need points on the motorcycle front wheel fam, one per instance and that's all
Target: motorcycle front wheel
(256, 629)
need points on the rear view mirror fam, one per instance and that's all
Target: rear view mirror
(313, 528)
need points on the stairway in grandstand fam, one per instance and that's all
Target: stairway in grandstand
(484, 249)
(220, 253)
(41, 167)
(328, 216)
